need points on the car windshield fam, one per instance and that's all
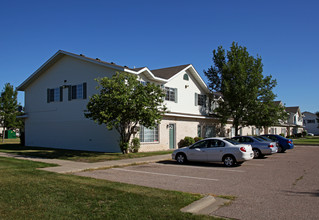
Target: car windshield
(234, 142)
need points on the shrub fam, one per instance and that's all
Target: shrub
(304, 133)
(197, 139)
(282, 134)
(189, 140)
(135, 145)
(186, 142)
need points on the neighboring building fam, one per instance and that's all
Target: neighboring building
(310, 122)
(57, 93)
(295, 120)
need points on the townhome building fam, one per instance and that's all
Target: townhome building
(57, 93)
(310, 123)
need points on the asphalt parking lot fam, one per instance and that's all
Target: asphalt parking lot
(281, 186)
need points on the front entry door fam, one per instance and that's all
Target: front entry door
(171, 136)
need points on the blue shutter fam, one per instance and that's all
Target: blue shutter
(84, 90)
(61, 94)
(48, 95)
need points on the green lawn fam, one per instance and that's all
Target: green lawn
(13, 146)
(309, 140)
(27, 193)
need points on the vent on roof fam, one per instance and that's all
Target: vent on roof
(82, 55)
(126, 66)
(112, 63)
(98, 59)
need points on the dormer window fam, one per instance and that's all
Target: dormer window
(185, 77)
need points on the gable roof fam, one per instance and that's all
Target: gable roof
(292, 109)
(169, 72)
(160, 75)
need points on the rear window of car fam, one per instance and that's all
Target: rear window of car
(265, 138)
(234, 142)
(259, 139)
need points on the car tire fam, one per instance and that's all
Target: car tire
(181, 158)
(257, 153)
(280, 149)
(229, 161)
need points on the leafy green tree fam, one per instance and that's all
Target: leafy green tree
(9, 108)
(124, 103)
(247, 94)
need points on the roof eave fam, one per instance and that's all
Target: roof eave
(58, 55)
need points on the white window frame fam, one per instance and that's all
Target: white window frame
(147, 135)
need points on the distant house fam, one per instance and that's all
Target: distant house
(57, 93)
(295, 120)
(310, 122)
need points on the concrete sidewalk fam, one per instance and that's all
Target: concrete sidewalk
(66, 166)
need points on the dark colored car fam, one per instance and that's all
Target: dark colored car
(283, 143)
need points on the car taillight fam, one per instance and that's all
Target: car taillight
(270, 145)
(243, 149)
(289, 142)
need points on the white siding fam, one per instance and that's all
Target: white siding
(62, 124)
(186, 95)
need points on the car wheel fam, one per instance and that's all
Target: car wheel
(257, 153)
(229, 161)
(181, 158)
(280, 149)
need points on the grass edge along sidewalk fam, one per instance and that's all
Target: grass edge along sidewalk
(26, 192)
(13, 147)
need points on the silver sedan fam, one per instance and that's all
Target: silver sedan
(217, 149)
(260, 146)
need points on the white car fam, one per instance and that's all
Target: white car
(218, 149)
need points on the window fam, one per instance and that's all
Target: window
(210, 131)
(54, 95)
(77, 91)
(185, 77)
(148, 135)
(217, 143)
(311, 121)
(144, 83)
(171, 94)
(201, 144)
(200, 99)
(199, 130)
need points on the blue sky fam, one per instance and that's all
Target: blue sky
(160, 34)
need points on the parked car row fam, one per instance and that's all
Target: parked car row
(232, 151)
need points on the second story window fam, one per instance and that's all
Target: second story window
(200, 99)
(171, 94)
(77, 91)
(54, 95)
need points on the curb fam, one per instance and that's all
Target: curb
(205, 206)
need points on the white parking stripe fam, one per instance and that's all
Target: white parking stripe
(198, 167)
(164, 174)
